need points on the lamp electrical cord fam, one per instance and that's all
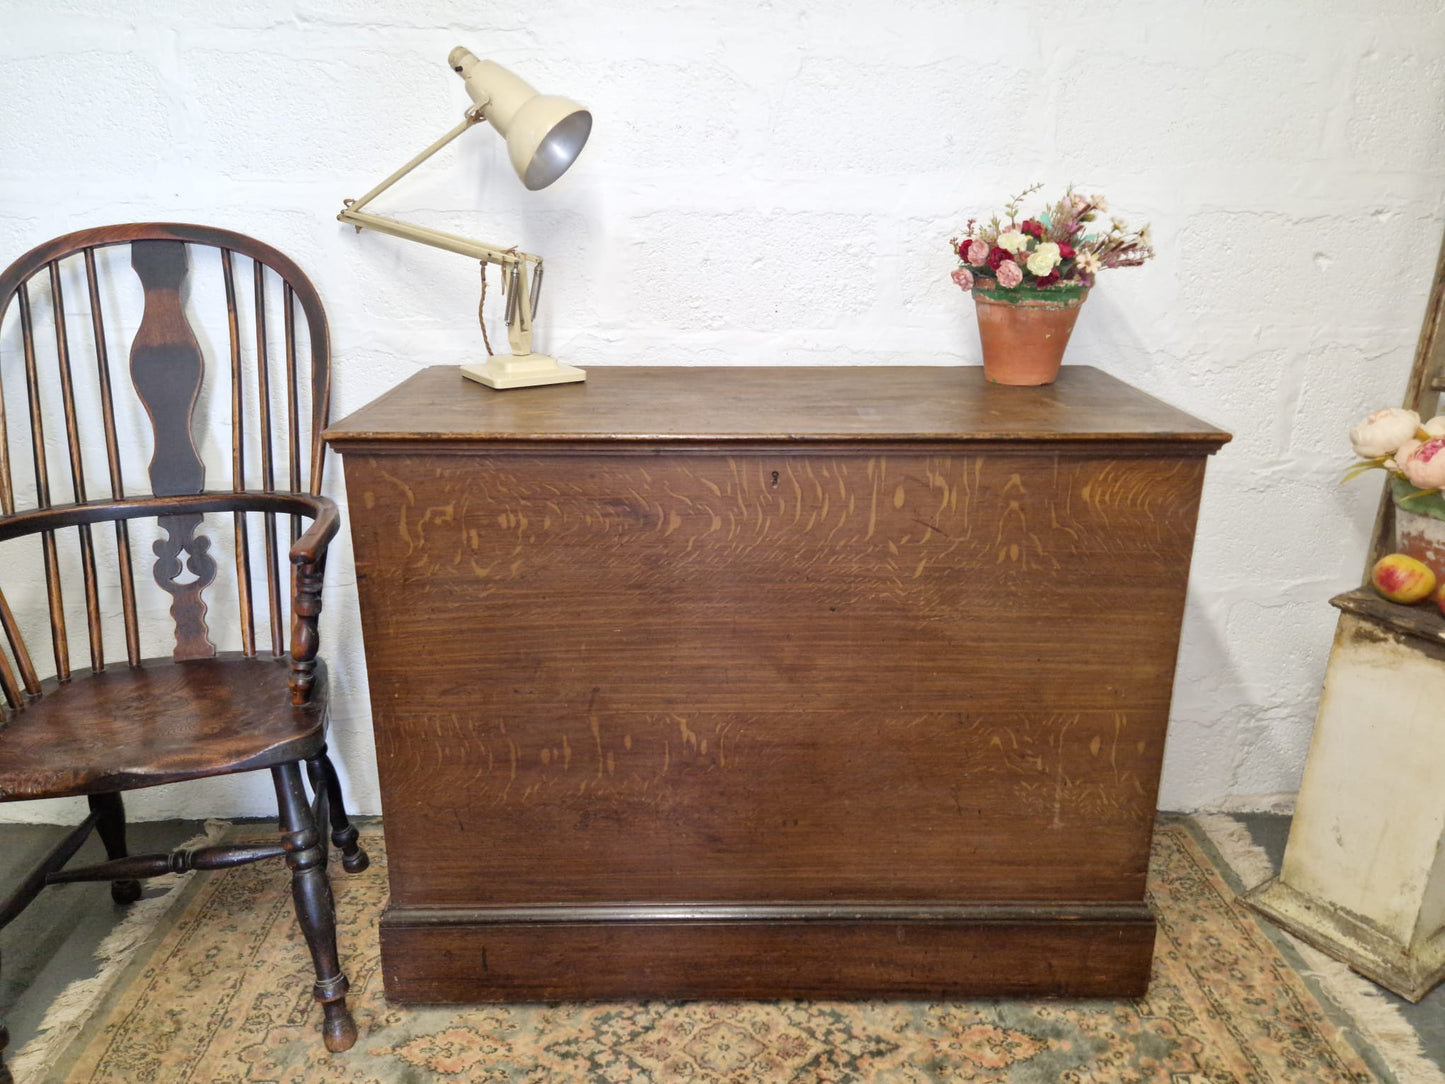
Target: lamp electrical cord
(481, 317)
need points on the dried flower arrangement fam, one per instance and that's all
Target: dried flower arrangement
(1059, 250)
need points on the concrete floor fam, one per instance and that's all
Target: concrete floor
(53, 942)
(1270, 831)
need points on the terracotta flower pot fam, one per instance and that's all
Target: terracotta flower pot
(1420, 526)
(1024, 331)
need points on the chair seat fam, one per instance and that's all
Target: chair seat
(159, 722)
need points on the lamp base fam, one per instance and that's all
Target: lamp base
(502, 371)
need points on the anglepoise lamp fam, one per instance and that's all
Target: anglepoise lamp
(544, 134)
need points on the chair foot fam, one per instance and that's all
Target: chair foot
(110, 826)
(353, 856)
(343, 833)
(338, 1029)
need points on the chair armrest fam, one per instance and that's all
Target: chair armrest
(311, 546)
(320, 509)
(308, 555)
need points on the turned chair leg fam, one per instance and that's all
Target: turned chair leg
(343, 833)
(109, 813)
(315, 910)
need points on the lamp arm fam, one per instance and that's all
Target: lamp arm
(353, 214)
(473, 116)
(425, 235)
(522, 289)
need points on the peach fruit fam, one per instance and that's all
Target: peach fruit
(1402, 579)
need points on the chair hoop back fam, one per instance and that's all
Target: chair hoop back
(287, 390)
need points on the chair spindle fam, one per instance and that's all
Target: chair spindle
(268, 468)
(77, 470)
(293, 419)
(58, 640)
(238, 462)
(112, 456)
(7, 674)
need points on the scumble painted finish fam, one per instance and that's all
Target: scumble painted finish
(672, 668)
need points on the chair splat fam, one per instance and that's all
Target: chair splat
(167, 367)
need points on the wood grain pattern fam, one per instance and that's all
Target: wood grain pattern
(231, 714)
(727, 641)
(687, 407)
(709, 665)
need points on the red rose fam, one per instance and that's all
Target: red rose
(997, 256)
(1033, 227)
(1049, 279)
(1066, 250)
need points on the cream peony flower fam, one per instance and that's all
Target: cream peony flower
(1435, 426)
(1383, 432)
(1013, 241)
(1009, 274)
(1425, 466)
(1044, 259)
(1402, 455)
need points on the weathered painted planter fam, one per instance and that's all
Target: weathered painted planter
(1363, 876)
(1024, 331)
(1420, 527)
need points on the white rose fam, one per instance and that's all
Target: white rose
(1043, 259)
(1012, 241)
(1383, 432)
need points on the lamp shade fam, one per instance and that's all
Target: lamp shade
(544, 132)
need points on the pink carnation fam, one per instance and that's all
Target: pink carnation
(1424, 465)
(977, 253)
(964, 277)
(1009, 274)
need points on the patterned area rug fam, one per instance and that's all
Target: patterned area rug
(220, 991)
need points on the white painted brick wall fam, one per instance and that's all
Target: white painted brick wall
(775, 183)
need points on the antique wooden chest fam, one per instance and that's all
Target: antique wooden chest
(760, 682)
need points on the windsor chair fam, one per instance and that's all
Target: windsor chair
(138, 720)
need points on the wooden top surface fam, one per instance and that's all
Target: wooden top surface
(1424, 622)
(749, 405)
